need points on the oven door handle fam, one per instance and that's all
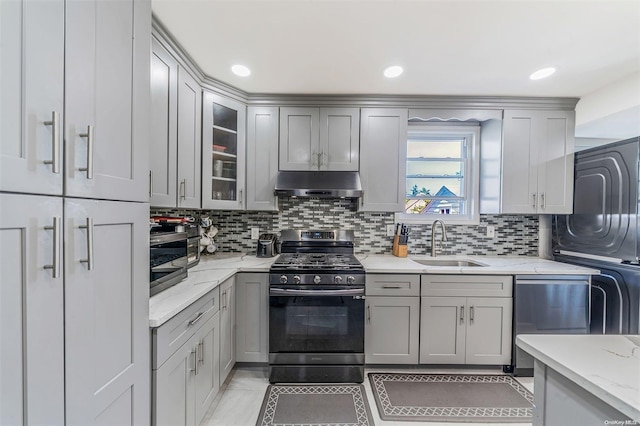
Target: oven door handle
(294, 292)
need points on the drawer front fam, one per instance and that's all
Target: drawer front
(174, 333)
(393, 285)
(467, 285)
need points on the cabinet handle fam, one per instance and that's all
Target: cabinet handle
(55, 142)
(323, 156)
(201, 347)
(369, 314)
(89, 136)
(391, 286)
(542, 200)
(240, 198)
(183, 189)
(195, 361)
(534, 200)
(89, 228)
(150, 183)
(57, 222)
(461, 314)
(471, 314)
(196, 319)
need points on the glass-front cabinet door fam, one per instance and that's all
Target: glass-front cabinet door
(223, 152)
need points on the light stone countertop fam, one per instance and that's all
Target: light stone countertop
(213, 270)
(607, 366)
(494, 265)
(208, 274)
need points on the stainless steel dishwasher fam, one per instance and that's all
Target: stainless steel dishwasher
(548, 304)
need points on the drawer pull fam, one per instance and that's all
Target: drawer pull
(196, 319)
(391, 286)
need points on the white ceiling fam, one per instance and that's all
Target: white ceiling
(467, 47)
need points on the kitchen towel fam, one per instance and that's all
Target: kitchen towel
(451, 398)
(328, 405)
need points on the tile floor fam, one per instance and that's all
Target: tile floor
(240, 399)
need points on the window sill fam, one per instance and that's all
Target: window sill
(428, 219)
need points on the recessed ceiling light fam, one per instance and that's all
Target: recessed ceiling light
(543, 73)
(241, 70)
(393, 71)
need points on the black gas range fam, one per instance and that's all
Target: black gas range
(316, 309)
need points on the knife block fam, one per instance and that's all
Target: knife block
(399, 250)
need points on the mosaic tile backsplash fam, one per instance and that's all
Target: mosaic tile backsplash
(515, 234)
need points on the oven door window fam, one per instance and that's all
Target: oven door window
(316, 324)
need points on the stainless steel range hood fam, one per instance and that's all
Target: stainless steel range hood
(318, 184)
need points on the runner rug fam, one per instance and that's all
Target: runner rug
(315, 405)
(451, 398)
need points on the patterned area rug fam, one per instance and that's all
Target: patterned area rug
(311, 405)
(451, 398)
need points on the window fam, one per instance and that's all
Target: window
(442, 173)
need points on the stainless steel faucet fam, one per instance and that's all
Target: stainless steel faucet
(433, 235)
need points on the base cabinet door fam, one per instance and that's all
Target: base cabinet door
(252, 317)
(31, 310)
(174, 396)
(442, 330)
(207, 374)
(489, 330)
(227, 328)
(107, 354)
(391, 330)
(465, 330)
(187, 383)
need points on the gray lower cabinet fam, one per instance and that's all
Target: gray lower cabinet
(392, 319)
(227, 328)
(262, 158)
(471, 329)
(31, 310)
(252, 317)
(186, 363)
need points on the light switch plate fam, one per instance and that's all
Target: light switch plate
(491, 231)
(390, 230)
(255, 233)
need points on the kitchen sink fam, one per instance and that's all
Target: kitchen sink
(447, 262)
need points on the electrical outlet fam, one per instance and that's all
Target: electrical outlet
(255, 233)
(391, 229)
(491, 231)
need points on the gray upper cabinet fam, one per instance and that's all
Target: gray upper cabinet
(383, 154)
(32, 60)
(224, 123)
(176, 145)
(189, 140)
(262, 158)
(164, 137)
(537, 161)
(107, 92)
(319, 139)
(31, 310)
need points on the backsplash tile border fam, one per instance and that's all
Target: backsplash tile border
(515, 235)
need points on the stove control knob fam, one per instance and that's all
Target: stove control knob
(296, 279)
(317, 279)
(283, 279)
(351, 279)
(337, 279)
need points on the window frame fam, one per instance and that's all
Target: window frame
(471, 133)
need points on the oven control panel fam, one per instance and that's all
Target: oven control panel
(317, 279)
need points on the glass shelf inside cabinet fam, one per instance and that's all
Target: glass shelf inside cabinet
(224, 150)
